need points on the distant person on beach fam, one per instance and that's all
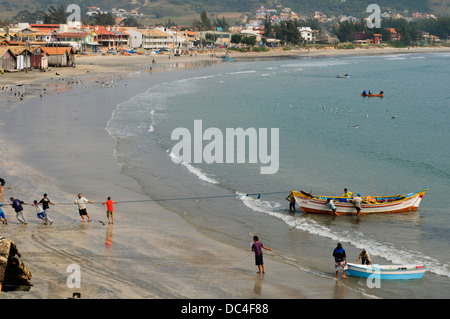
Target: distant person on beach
(81, 202)
(45, 205)
(340, 260)
(109, 210)
(347, 194)
(357, 203)
(2, 215)
(330, 203)
(291, 200)
(39, 211)
(365, 258)
(257, 247)
(17, 205)
(2, 183)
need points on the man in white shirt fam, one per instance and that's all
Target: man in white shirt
(81, 202)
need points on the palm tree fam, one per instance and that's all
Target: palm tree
(56, 15)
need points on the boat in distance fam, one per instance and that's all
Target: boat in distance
(372, 95)
(387, 271)
(317, 204)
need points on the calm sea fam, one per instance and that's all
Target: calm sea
(330, 138)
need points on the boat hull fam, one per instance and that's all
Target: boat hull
(372, 95)
(387, 272)
(314, 204)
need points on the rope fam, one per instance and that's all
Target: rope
(188, 198)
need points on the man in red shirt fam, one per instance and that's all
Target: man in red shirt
(109, 210)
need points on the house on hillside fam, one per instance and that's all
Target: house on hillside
(7, 59)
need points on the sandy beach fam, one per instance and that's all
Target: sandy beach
(168, 258)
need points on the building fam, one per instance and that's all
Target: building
(7, 59)
(135, 37)
(60, 56)
(308, 35)
(377, 38)
(109, 37)
(39, 59)
(23, 56)
(155, 39)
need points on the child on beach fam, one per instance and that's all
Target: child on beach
(2, 215)
(39, 211)
(109, 210)
(257, 248)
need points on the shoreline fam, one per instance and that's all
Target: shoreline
(181, 257)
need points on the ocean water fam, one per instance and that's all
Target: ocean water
(330, 138)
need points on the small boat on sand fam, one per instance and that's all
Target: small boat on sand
(317, 204)
(387, 271)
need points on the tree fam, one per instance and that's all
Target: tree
(131, 22)
(105, 19)
(204, 23)
(236, 38)
(56, 15)
(222, 23)
(251, 40)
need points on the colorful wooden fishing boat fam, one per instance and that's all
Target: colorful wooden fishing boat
(387, 271)
(343, 76)
(370, 205)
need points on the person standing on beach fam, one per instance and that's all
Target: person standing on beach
(257, 247)
(45, 206)
(291, 200)
(2, 183)
(357, 202)
(81, 202)
(17, 205)
(2, 215)
(340, 260)
(109, 210)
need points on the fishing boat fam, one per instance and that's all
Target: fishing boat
(387, 271)
(370, 205)
(372, 95)
(344, 76)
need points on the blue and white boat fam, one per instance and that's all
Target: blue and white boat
(387, 271)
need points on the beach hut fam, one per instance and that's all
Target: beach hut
(60, 56)
(39, 59)
(7, 59)
(23, 56)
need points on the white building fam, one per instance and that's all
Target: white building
(135, 39)
(308, 34)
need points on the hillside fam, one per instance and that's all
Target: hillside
(174, 9)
